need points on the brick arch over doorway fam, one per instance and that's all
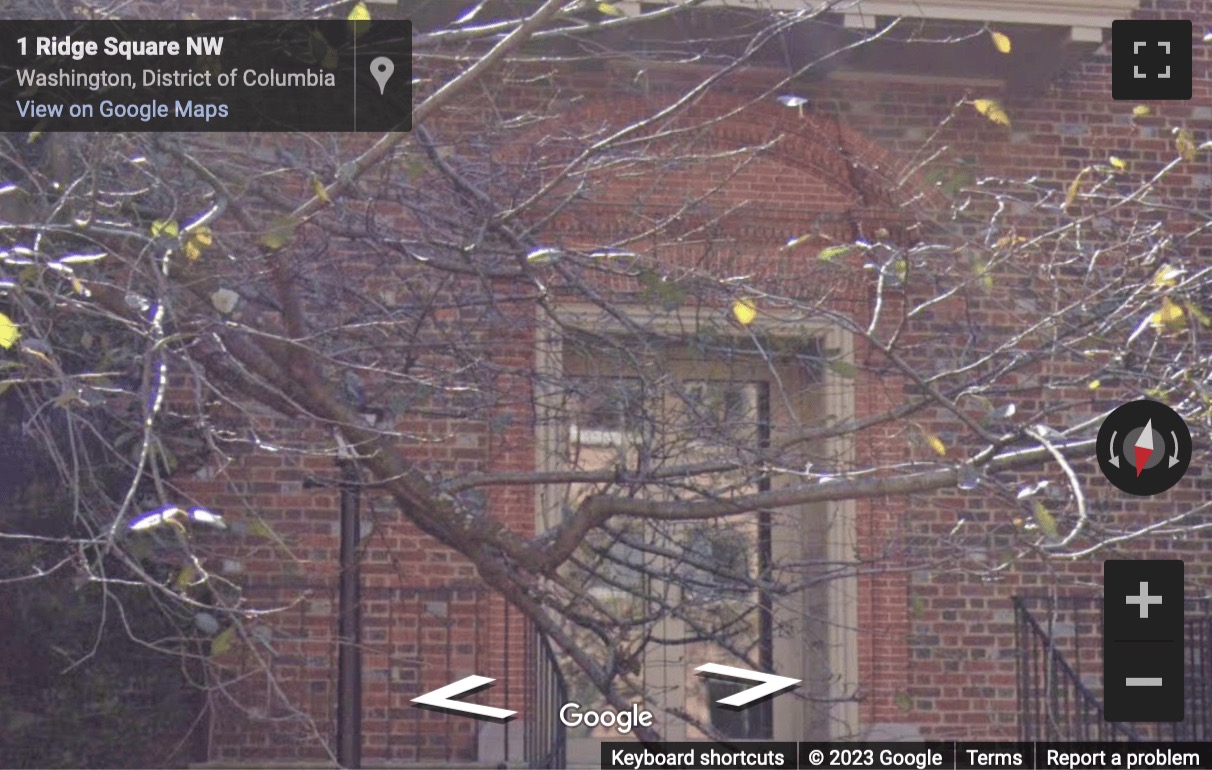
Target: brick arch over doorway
(821, 146)
(734, 175)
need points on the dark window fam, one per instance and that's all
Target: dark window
(744, 724)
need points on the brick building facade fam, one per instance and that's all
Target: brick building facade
(929, 644)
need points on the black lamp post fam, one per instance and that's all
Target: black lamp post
(349, 622)
(349, 610)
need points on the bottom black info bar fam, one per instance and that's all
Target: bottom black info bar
(940, 755)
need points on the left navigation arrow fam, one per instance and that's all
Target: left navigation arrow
(441, 699)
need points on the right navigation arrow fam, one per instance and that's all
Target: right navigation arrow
(770, 684)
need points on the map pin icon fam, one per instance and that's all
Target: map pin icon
(381, 68)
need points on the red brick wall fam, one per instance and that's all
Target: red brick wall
(936, 644)
(949, 647)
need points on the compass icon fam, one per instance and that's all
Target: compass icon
(1144, 447)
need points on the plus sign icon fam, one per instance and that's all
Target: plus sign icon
(1151, 59)
(1143, 600)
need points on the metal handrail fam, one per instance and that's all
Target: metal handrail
(1052, 715)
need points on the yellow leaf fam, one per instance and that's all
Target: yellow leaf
(78, 287)
(1045, 520)
(993, 110)
(935, 443)
(221, 644)
(203, 236)
(1170, 318)
(318, 188)
(1074, 186)
(903, 701)
(259, 528)
(66, 399)
(1167, 277)
(318, 46)
(1184, 142)
(1118, 163)
(796, 241)
(1000, 41)
(1141, 111)
(165, 227)
(186, 576)
(830, 253)
(609, 9)
(1094, 385)
(983, 270)
(745, 311)
(359, 19)
(1198, 313)
(197, 240)
(900, 268)
(279, 234)
(9, 333)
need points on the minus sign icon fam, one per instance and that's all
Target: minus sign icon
(1144, 681)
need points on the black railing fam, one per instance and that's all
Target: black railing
(1059, 663)
(1054, 702)
(546, 739)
